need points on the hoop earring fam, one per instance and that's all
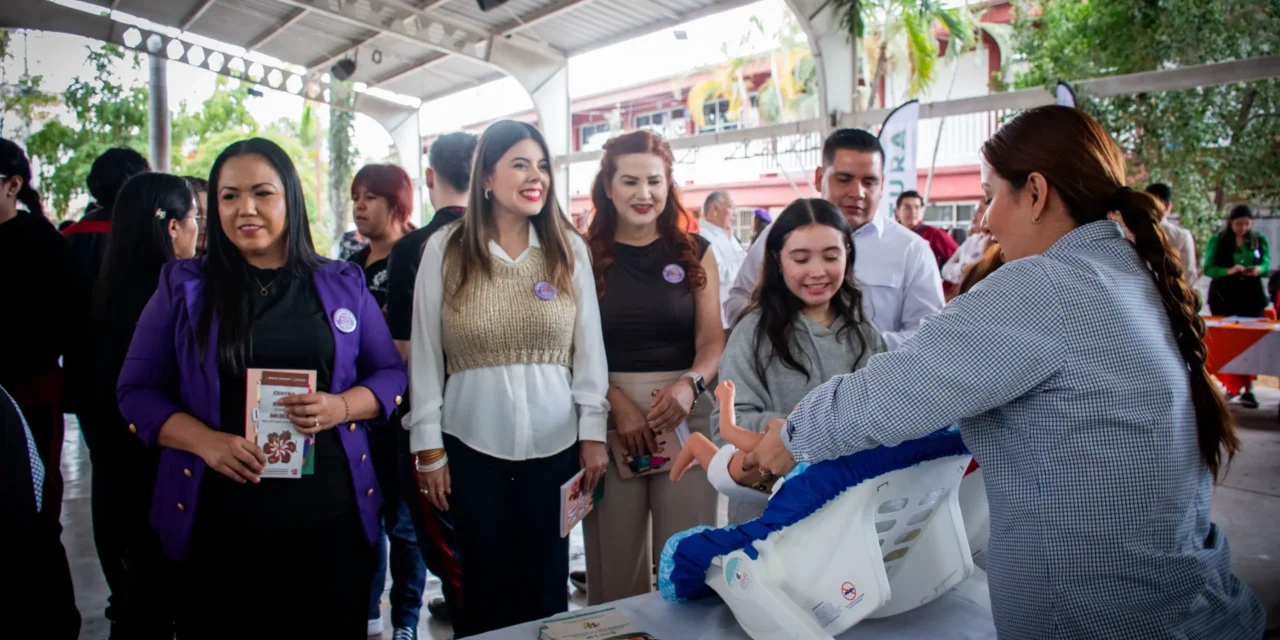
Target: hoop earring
(487, 194)
(1035, 220)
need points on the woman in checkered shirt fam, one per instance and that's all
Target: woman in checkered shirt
(1076, 374)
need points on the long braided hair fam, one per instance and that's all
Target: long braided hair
(1086, 167)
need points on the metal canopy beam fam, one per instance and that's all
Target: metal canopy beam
(420, 65)
(459, 40)
(540, 16)
(324, 64)
(191, 17)
(273, 31)
(1248, 70)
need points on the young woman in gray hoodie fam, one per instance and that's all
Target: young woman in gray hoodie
(805, 324)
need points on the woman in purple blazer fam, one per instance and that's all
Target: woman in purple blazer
(273, 557)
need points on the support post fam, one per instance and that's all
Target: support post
(402, 123)
(547, 81)
(159, 111)
(835, 58)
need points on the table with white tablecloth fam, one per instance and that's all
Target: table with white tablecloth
(960, 614)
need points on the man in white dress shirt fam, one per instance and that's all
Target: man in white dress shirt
(1180, 238)
(895, 268)
(717, 228)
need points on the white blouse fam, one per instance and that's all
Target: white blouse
(513, 412)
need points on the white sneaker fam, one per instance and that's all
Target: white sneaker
(375, 626)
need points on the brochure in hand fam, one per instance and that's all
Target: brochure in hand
(576, 503)
(605, 624)
(287, 449)
(657, 461)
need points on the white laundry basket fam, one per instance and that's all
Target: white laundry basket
(885, 546)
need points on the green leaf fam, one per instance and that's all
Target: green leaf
(1213, 145)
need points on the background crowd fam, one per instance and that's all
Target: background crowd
(466, 369)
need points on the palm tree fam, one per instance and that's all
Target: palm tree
(789, 94)
(726, 82)
(885, 26)
(969, 22)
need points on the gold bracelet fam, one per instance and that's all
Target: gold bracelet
(427, 457)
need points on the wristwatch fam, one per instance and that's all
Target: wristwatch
(699, 384)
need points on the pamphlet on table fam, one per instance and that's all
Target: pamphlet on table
(605, 624)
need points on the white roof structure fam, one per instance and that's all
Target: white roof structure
(409, 51)
(405, 52)
(424, 49)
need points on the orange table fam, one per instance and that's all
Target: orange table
(1243, 346)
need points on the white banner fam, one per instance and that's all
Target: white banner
(1065, 94)
(898, 137)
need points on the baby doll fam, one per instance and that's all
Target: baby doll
(726, 466)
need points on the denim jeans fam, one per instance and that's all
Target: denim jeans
(408, 571)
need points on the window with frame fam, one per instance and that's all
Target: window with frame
(669, 122)
(591, 130)
(716, 116)
(950, 215)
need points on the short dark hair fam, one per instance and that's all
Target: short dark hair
(111, 170)
(450, 157)
(198, 185)
(852, 140)
(908, 194)
(1162, 192)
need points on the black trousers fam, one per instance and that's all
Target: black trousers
(507, 516)
(244, 582)
(124, 477)
(437, 538)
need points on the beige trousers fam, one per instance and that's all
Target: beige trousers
(625, 533)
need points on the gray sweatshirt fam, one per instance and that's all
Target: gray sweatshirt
(819, 349)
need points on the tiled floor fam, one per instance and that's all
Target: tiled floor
(1246, 505)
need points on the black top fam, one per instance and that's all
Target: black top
(647, 312)
(289, 330)
(375, 275)
(402, 271)
(111, 337)
(45, 299)
(90, 246)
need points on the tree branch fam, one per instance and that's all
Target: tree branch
(1242, 119)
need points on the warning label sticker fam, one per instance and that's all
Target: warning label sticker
(825, 613)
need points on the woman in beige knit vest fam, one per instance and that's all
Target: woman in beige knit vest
(660, 312)
(506, 299)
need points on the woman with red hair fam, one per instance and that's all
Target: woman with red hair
(660, 313)
(382, 195)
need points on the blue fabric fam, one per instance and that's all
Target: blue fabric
(687, 555)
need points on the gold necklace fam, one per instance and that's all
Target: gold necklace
(262, 290)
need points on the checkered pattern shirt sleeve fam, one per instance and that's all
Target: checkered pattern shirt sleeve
(949, 358)
(1066, 381)
(37, 465)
